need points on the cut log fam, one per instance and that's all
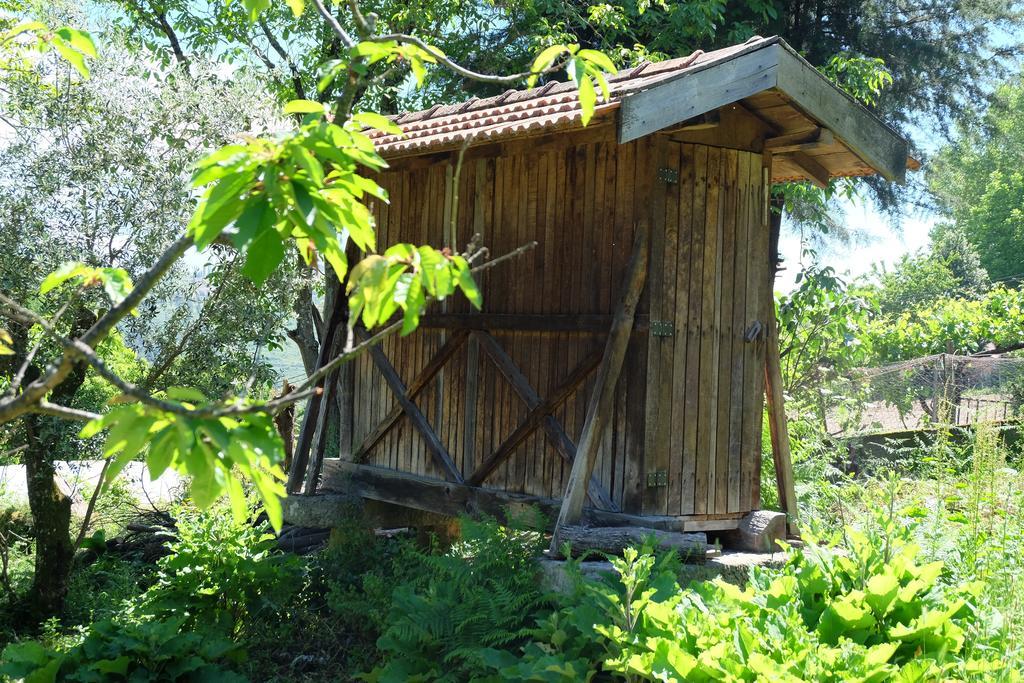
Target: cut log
(613, 540)
(757, 533)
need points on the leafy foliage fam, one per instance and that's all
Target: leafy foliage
(997, 317)
(820, 328)
(950, 268)
(217, 452)
(978, 182)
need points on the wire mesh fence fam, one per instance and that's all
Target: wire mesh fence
(942, 389)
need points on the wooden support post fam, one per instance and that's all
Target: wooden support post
(777, 426)
(599, 408)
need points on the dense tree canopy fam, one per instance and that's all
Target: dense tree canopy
(979, 182)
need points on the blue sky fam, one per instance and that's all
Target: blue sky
(883, 243)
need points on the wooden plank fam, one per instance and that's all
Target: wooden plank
(669, 225)
(419, 421)
(759, 297)
(443, 497)
(749, 177)
(715, 333)
(698, 91)
(724, 317)
(654, 449)
(309, 419)
(599, 409)
(778, 428)
(708, 380)
(688, 199)
(581, 540)
(816, 173)
(799, 142)
(418, 384)
(693, 333)
(507, 367)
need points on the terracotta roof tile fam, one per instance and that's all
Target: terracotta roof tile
(554, 104)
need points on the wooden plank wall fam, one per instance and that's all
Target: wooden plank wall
(704, 423)
(569, 199)
(580, 202)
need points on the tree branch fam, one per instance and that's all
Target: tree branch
(33, 393)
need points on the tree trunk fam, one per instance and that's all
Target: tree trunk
(305, 334)
(51, 507)
(51, 514)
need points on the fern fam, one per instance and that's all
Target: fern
(483, 593)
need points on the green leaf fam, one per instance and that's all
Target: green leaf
(588, 98)
(6, 343)
(369, 119)
(544, 60)
(303, 107)
(71, 56)
(79, 40)
(598, 59)
(264, 254)
(63, 274)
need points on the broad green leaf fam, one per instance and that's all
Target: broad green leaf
(71, 56)
(256, 8)
(23, 27)
(303, 107)
(79, 40)
(598, 59)
(66, 272)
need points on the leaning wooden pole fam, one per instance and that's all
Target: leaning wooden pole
(300, 462)
(599, 408)
(777, 425)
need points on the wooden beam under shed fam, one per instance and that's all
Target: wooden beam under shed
(448, 498)
(800, 142)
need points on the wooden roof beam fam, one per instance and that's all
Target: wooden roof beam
(815, 172)
(799, 142)
(771, 65)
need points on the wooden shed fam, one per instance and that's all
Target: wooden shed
(478, 410)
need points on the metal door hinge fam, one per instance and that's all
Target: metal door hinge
(662, 328)
(668, 175)
(657, 479)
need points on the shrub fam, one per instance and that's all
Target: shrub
(223, 575)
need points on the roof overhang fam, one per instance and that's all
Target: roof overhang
(769, 65)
